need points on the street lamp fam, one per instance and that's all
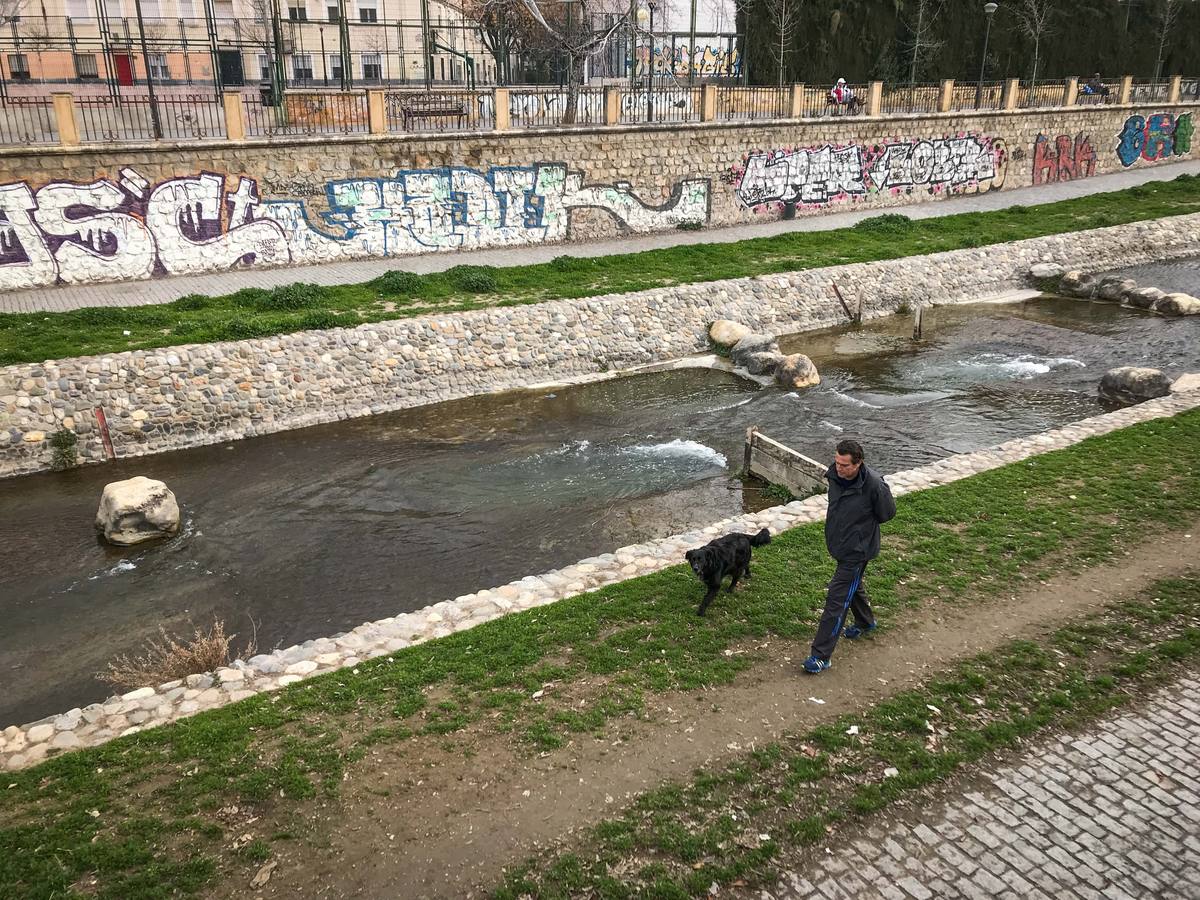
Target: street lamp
(989, 9)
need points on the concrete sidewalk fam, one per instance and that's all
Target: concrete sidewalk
(164, 290)
(1110, 814)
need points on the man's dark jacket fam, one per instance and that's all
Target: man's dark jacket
(856, 510)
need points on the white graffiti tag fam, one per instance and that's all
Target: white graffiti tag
(127, 229)
(816, 176)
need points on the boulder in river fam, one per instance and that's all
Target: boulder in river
(1133, 384)
(135, 510)
(726, 332)
(1178, 305)
(797, 371)
(752, 343)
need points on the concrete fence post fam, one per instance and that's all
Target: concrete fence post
(874, 98)
(946, 98)
(502, 103)
(708, 102)
(1012, 91)
(376, 112)
(1070, 91)
(235, 115)
(64, 115)
(797, 104)
(1126, 93)
(1175, 89)
(612, 105)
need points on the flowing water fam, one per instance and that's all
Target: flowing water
(311, 532)
(1174, 275)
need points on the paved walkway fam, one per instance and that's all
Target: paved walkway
(1109, 815)
(164, 290)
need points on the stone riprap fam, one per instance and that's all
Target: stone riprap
(22, 746)
(186, 396)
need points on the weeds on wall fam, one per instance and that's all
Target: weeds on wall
(169, 658)
(63, 443)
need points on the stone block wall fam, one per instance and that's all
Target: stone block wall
(191, 395)
(109, 214)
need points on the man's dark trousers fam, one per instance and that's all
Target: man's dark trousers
(846, 591)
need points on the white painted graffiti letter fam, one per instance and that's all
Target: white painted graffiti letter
(25, 260)
(101, 243)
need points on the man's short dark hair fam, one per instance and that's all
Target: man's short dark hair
(852, 449)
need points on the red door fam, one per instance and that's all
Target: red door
(124, 68)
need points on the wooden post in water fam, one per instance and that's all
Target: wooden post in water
(845, 308)
(917, 322)
(746, 453)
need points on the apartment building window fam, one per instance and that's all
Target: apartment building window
(158, 66)
(335, 67)
(264, 67)
(367, 11)
(302, 69)
(77, 9)
(334, 13)
(85, 66)
(224, 10)
(372, 69)
(297, 12)
(18, 66)
(187, 9)
(151, 10)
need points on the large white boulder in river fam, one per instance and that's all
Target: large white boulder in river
(1133, 384)
(135, 510)
(1178, 305)
(726, 333)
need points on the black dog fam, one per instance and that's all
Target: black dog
(728, 555)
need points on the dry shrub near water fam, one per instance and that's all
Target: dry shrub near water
(169, 659)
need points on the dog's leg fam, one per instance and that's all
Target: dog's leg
(708, 598)
(737, 573)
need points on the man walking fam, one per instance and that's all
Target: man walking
(859, 502)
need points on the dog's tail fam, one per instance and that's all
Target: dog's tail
(763, 537)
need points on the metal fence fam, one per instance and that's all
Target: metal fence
(27, 120)
(1150, 91)
(1041, 94)
(915, 98)
(541, 108)
(989, 95)
(138, 118)
(660, 104)
(307, 113)
(753, 103)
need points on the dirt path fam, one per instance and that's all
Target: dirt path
(428, 822)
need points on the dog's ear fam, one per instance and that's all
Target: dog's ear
(690, 555)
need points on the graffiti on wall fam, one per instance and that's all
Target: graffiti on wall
(1063, 159)
(1154, 138)
(816, 176)
(128, 228)
(715, 62)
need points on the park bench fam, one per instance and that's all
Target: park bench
(431, 106)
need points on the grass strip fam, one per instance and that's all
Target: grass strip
(140, 815)
(729, 826)
(255, 312)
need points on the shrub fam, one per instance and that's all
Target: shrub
(971, 240)
(99, 315)
(889, 223)
(319, 319)
(193, 302)
(240, 328)
(248, 298)
(691, 225)
(291, 297)
(564, 263)
(398, 283)
(475, 279)
(63, 442)
(167, 659)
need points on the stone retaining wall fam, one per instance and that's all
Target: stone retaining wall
(186, 396)
(23, 746)
(101, 213)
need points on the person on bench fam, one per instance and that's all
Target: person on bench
(841, 94)
(1095, 87)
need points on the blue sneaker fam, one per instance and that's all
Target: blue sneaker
(853, 632)
(814, 665)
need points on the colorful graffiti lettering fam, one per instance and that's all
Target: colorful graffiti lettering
(716, 62)
(127, 228)
(814, 176)
(1064, 159)
(1155, 137)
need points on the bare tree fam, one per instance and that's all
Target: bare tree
(10, 10)
(784, 16)
(1167, 16)
(1033, 20)
(921, 41)
(572, 34)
